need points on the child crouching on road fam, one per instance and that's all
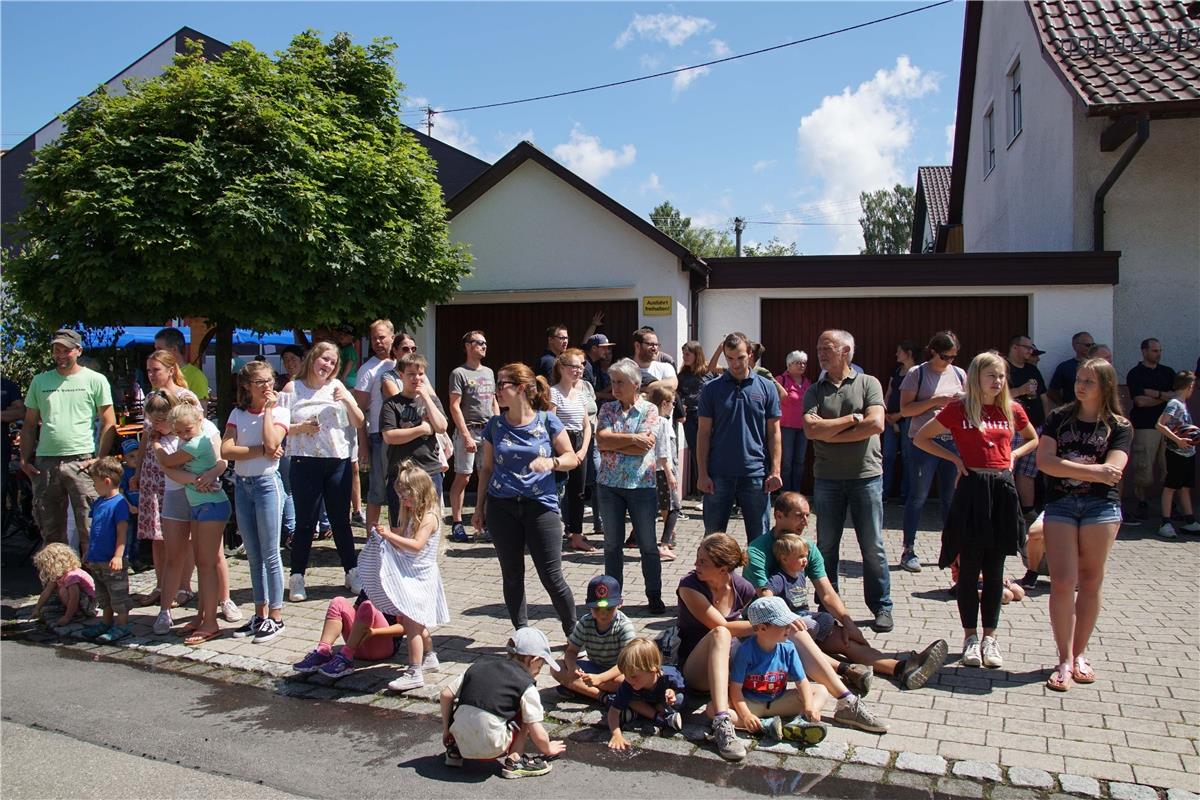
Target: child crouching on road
(601, 632)
(494, 707)
(758, 678)
(69, 593)
(649, 689)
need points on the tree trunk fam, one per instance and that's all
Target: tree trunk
(226, 387)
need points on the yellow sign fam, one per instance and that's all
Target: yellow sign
(657, 305)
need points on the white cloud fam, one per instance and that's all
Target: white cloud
(673, 29)
(719, 48)
(764, 165)
(446, 128)
(652, 184)
(584, 155)
(680, 81)
(856, 141)
(650, 63)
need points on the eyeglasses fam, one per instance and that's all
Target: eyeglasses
(947, 356)
(574, 366)
(561, 338)
(407, 349)
(502, 384)
(262, 382)
(478, 342)
(650, 344)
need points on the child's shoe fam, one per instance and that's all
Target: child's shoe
(411, 678)
(453, 756)
(94, 630)
(430, 663)
(313, 661)
(250, 628)
(337, 667)
(669, 718)
(772, 728)
(524, 766)
(163, 622)
(805, 733)
(458, 533)
(115, 634)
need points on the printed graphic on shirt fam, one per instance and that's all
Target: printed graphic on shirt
(772, 683)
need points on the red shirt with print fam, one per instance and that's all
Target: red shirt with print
(990, 448)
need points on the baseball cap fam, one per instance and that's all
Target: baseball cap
(596, 340)
(531, 642)
(1036, 351)
(603, 592)
(770, 611)
(129, 445)
(67, 338)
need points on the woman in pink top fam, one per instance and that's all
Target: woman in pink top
(795, 443)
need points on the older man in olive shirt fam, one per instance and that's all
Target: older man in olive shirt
(843, 417)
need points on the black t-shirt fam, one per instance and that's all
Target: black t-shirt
(399, 411)
(1141, 378)
(893, 399)
(9, 393)
(1083, 443)
(1032, 403)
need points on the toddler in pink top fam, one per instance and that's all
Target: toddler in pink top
(68, 593)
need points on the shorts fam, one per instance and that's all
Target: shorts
(1181, 471)
(112, 587)
(1026, 465)
(1147, 454)
(212, 512)
(464, 462)
(175, 505)
(1083, 509)
(589, 667)
(819, 624)
(377, 485)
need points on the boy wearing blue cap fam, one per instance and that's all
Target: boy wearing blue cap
(759, 675)
(601, 632)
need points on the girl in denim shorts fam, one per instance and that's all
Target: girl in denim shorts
(1083, 451)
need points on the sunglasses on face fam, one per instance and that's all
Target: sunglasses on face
(478, 342)
(502, 383)
(407, 348)
(947, 356)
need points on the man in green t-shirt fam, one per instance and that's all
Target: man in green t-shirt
(56, 440)
(171, 340)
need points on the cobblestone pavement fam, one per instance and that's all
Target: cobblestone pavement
(1136, 727)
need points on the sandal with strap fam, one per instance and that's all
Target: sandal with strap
(200, 637)
(1059, 680)
(1082, 671)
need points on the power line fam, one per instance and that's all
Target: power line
(735, 57)
(834, 224)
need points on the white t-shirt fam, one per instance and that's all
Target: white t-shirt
(480, 734)
(304, 403)
(248, 433)
(658, 370)
(664, 440)
(370, 380)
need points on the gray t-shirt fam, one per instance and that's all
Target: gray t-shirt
(477, 387)
(849, 460)
(931, 382)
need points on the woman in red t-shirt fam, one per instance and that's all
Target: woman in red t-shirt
(985, 524)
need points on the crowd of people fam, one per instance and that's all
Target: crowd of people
(579, 428)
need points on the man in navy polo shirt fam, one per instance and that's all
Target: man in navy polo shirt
(738, 442)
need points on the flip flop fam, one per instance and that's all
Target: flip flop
(200, 637)
(1059, 680)
(1083, 672)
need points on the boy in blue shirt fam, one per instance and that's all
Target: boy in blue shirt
(759, 675)
(105, 554)
(649, 690)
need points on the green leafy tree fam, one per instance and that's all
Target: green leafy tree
(704, 242)
(264, 192)
(772, 247)
(887, 216)
(24, 342)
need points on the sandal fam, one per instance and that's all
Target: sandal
(150, 599)
(585, 547)
(1082, 671)
(1059, 680)
(200, 637)
(665, 554)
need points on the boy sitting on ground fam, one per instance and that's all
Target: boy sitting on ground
(601, 632)
(494, 706)
(649, 690)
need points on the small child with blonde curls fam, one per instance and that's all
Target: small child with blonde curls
(69, 593)
(649, 690)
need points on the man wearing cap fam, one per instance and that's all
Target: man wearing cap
(599, 352)
(56, 440)
(173, 341)
(1027, 387)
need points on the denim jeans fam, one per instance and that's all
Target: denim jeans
(642, 506)
(751, 499)
(258, 500)
(864, 499)
(518, 524)
(593, 486)
(924, 468)
(315, 480)
(288, 507)
(896, 444)
(795, 447)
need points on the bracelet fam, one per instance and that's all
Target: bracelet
(555, 460)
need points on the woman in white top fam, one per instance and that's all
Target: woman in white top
(322, 408)
(569, 399)
(254, 443)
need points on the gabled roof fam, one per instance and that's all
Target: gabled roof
(972, 20)
(931, 204)
(455, 168)
(1122, 57)
(527, 152)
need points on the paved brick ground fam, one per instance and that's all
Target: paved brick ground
(1138, 723)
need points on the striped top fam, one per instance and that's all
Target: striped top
(603, 648)
(400, 582)
(570, 410)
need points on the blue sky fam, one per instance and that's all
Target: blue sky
(790, 136)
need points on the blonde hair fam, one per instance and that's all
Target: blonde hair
(414, 482)
(108, 467)
(247, 374)
(167, 359)
(973, 403)
(185, 413)
(640, 655)
(789, 545)
(159, 403)
(310, 358)
(661, 394)
(55, 560)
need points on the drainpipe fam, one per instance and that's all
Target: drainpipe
(1143, 133)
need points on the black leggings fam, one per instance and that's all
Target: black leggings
(971, 562)
(520, 524)
(575, 491)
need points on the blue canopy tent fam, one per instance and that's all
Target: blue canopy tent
(142, 334)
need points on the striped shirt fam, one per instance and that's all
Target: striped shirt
(570, 410)
(602, 648)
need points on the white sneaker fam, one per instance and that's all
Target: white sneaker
(970, 653)
(411, 678)
(430, 663)
(230, 611)
(1191, 527)
(163, 623)
(991, 653)
(296, 589)
(352, 581)
(1167, 531)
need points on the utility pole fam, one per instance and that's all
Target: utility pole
(429, 112)
(739, 225)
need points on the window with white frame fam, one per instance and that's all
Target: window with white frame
(989, 141)
(1014, 100)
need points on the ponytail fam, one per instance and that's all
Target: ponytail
(539, 394)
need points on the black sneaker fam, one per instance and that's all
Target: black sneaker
(268, 630)
(1029, 580)
(921, 666)
(453, 756)
(655, 605)
(250, 628)
(883, 621)
(525, 766)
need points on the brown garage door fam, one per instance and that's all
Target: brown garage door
(517, 331)
(878, 323)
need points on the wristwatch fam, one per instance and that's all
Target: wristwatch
(856, 417)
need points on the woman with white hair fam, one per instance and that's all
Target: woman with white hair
(625, 482)
(794, 384)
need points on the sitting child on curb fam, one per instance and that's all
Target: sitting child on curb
(601, 632)
(68, 593)
(494, 707)
(649, 690)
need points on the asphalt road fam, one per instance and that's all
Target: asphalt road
(76, 727)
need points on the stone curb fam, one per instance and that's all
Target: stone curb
(916, 770)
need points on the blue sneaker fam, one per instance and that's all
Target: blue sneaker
(115, 634)
(458, 533)
(484, 537)
(312, 662)
(337, 667)
(94, 630)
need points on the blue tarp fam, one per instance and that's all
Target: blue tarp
(141, 334)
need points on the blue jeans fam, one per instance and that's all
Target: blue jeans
(642, 506)
(795, 447)
(923, 469)
(258, 500)
(751, 499)
(864, 499)
(593, 486)
(288, 507)
(896, 444)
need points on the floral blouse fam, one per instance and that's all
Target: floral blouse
(618, 470)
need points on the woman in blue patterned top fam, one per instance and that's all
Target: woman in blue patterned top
(521, 449)
(625, 482)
